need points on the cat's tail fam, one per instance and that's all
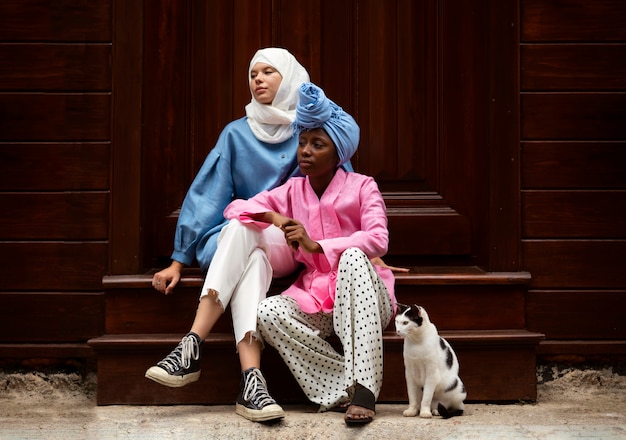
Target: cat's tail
(446, 414)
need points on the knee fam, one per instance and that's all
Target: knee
(352, 254)
(272, 310)
(266, 311)
(235, 226)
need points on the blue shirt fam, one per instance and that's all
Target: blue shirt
(239, 167)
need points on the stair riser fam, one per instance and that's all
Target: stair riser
(491, 372)
(451, 307)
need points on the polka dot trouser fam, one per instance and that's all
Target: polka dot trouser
(362, 310)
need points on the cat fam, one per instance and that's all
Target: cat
(431, 366)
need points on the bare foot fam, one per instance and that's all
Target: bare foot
(358, 415)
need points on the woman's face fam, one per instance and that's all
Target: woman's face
(317, 154)
(264, 82)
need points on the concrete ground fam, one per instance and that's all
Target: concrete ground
(572, 404)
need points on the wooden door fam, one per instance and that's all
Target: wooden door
(417, 76)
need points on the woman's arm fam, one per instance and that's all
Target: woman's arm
(295, 232)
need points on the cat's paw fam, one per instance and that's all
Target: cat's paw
(410, 412)
(425, 414)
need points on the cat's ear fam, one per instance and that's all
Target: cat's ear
(414, 312)
(402, 308)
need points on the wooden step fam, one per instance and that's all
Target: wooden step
(457, 298)
(480, 313)
(495, 366)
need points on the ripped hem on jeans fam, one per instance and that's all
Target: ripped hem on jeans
(214, 295)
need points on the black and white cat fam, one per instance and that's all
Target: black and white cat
(431, 366)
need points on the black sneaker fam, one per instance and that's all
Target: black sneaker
(181, 366)
(254, 402)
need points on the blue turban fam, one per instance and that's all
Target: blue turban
(315, 110)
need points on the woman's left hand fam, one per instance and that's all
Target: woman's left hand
(379, 262)
(296, 235)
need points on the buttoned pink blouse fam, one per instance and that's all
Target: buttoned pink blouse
(350, 213)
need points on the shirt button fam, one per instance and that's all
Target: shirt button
(282, 156)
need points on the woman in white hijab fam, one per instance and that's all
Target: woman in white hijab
(253, 154)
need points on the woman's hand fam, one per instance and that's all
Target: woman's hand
(165, 280)
(296, 236)
(379, 262)
(295, 233)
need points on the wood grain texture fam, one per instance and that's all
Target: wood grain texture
(54, 216)
(578, 314)
(55, 265)
(61, 20)
(55, 117)
(574, 214)
(46, 66)
(37, 317)
(574, 20)
(572, 67)
(580, 264)
(573, 165)
(53, 166)
(573, 116)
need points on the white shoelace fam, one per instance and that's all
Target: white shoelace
(256, 387)
(187, 349)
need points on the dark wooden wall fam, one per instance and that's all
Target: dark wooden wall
(55, 106)
(573, 140)
(512, 164)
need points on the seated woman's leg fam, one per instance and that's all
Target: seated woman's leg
(361, 312)
(300, 340)
(236, 244)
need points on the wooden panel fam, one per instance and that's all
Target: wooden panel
(577, 314)
(575, 214)
(377, 48)
(50, 317)
(464, 115)
(333, 51)
(573, 20)
(54, 216)
(126, 126)
(297, 26)
(468, 307)
(55, 66)
(54, 117)
(54, 167)
(583, 264)
(60, 20)
(53, 265)
(452, 237)
(148, 311)
(166, 60)
(573, 165)
(573, 67)
(502, 225)
(573, 116)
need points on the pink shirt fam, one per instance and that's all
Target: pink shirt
(350, 213)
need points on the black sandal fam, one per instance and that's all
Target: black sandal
(363, 398)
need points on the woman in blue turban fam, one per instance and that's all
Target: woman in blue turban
(334, 223)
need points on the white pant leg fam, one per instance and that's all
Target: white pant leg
(361, 312)
(280, 254)
(241, 272)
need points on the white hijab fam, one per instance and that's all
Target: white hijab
(272, 123)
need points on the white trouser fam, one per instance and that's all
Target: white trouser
(361, 312)
(241, 271)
